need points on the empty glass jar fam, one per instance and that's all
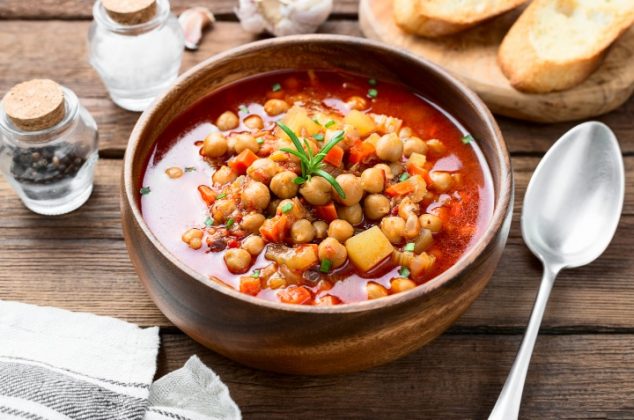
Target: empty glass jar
(48, 158)
(137, 53)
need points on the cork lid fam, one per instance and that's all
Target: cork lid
(35, 105)
(130, 12)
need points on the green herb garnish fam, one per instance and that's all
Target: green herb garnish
(330, 123)
(312, 165)
(259, 140)
(243, 109)
(316, 121)
(372, 82)
(373, 93)
(325, 266)
(404, 177)
(145, 190)
(256, 274)
(276, 87)
(221, 196)
(209, 222)
(319, 137)
(230, 222)
(286, 207)
(409, 247)
(403, 272)
(189, 169)
(467, 139)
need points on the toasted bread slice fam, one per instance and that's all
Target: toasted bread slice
(433, 18)
(556, 44)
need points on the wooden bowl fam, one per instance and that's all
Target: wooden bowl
(311, 339)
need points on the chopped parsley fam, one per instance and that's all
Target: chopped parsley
(221, 196)
(404, 177)
(467, 139)
(319, 137)
(373, 93)
(209, 222)
(259, 140)
(276, 87)
(325, 266)
(286, 207)
(256, 274)
(409, 247)
(316, 121)
(189, 169)
(145, 190)
(299, 180)
(230, 222)
(243, 109)
(403, 272)
(372, 82)
(330, 123)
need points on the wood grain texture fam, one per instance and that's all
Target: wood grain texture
(455, 377)
(82, 9)
(472, 57)
(36, 251)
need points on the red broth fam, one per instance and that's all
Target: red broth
(172, 206)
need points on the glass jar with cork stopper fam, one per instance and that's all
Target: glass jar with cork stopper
(136, 46)
(48, 146)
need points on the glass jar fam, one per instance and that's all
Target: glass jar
(136, 62)
(51, 169)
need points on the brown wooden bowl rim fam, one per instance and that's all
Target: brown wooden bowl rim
(502, 198)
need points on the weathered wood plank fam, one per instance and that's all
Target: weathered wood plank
(82, 9)
(455, 377)
(22, 57)
(78, 261)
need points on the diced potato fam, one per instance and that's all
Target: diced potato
(417, 159)
(297, 119)
(373, 139)
(362, 122)
(368, 248)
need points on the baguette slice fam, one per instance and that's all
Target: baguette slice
(434, 18)
(556, 44)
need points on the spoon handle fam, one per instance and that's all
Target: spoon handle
(507, 406)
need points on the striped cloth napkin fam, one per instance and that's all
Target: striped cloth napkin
(56, 364)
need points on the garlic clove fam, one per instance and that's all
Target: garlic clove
(283, 17)
(193, 21)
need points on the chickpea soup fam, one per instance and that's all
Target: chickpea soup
(316, 188)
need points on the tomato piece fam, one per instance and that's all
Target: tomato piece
(240, 163)
(207, 194)
(250, 285)
(295, 295)
(274, 230)
(334, 156)
(361, 152)
(417, 170)
(327, 212)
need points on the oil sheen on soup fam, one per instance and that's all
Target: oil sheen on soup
(316, 188)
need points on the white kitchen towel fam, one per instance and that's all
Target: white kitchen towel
(56, 364)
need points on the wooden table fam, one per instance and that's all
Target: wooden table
(583, 365)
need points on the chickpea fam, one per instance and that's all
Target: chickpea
(227, 121)
(174, 172)
(431, 222)
(424, 241)
(224, 175)
(317, 191)
(405, 133)
(246, 141)
(254, 122)
(256, 196)
(340, 230)
(436, 147)
(414, 145)
(237, 260)
(393, 227)
(351, 186)
(263, 170)
(375, 290)
(389, 148)
(283, 186)
(373, 180)
(376, 206)
(351, 214)
(253, 245)
(386, 169)
(401, 284)
(396, 168)
(357, 102)
(215, 145)
(321, 229)
(195, 243)
(441, 181)
(412, 227)
(275, 107)
(330, 249)
(222, 209)
(302, 231)
(191, 234)
(252, 222)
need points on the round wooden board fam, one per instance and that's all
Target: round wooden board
(472, 57)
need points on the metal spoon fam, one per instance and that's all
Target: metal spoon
(571, 209)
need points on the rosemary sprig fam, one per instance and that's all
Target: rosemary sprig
(312, 165)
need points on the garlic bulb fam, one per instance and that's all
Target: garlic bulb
(283, 17)
(194, 21)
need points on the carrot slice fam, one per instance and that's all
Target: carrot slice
(240, 163)
(295, 295)
(250, 285)
(361, 152)
(334, 156)
(417, 170)
(401, 188)
(207, 194)
(327, 212)
(274, 230)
